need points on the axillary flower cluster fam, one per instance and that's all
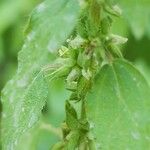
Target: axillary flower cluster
(90, 46)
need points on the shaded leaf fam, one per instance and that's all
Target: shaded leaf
(73, 140)
(136, 14)
(144, 68)
(38, 138)
(71, 116)
(1, 50)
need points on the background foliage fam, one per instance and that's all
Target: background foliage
(133, 24)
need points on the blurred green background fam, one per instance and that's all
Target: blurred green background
(13, 17)
(134, 24)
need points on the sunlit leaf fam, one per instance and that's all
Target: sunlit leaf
(118, 106)
(144, 68)
(24, 96)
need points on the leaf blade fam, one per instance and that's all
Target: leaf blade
(122, 108)
(21, 101)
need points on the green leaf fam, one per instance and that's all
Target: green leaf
(42, 136)
(71, 116)
(24, 96)
(1, 50)
(119, 108)
(136, 14)
(73, 140)
(144, 69)
(21, 108)
(55, 20)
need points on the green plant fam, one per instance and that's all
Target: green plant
(108, 100)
